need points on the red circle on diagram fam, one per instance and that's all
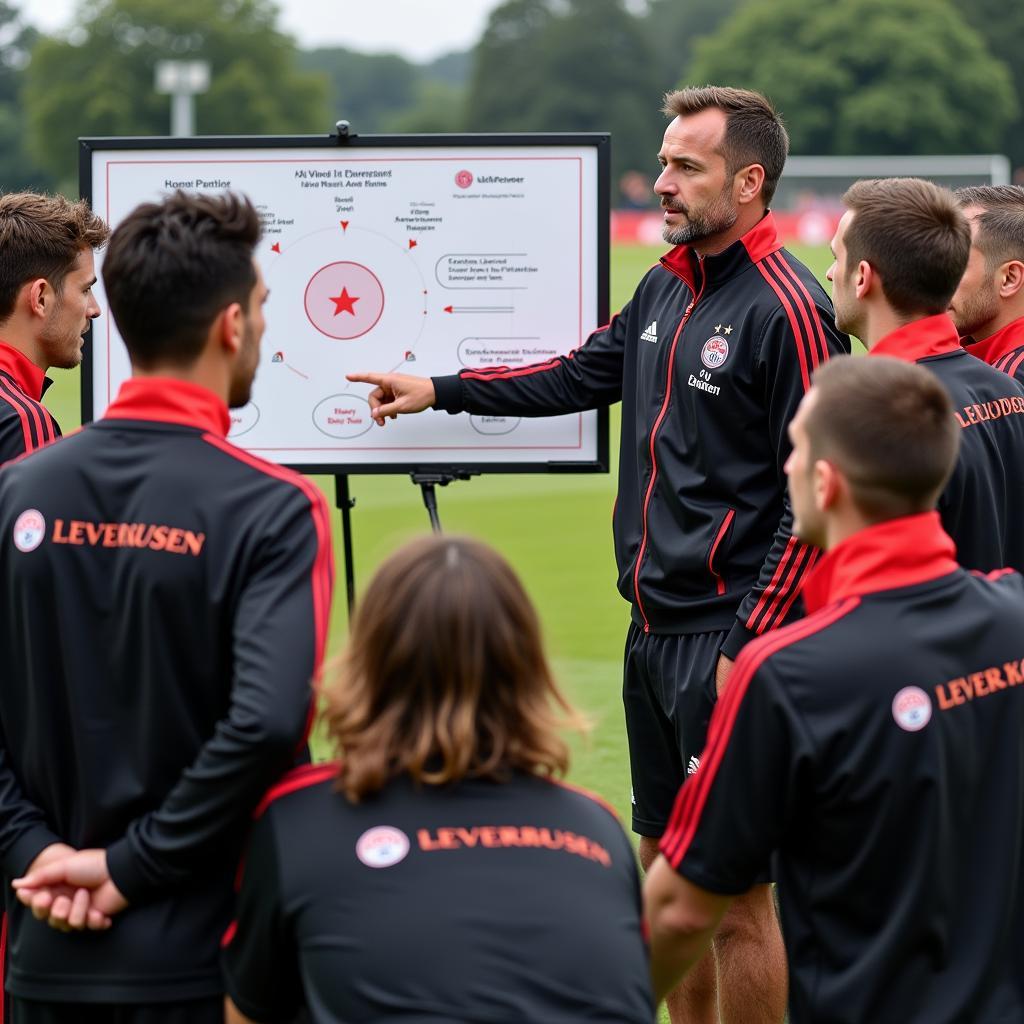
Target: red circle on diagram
(344, 300)
(464, 179)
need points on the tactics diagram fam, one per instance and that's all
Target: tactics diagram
(393, 260)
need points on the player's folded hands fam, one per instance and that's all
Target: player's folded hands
(70, 890)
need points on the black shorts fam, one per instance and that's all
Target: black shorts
(669, 693)
(195, 1011)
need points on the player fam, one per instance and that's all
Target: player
(709, 358)
(988, 307)
(875, 745)
(46, 305)
(437, 870)
(167, 600)
(900, 250)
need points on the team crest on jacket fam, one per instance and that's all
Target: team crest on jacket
(29, 530)
(715, 352)
(382, 846)
(912, 708)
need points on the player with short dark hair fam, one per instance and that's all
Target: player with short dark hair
(709, 359)
(873, 748)
(988, 307)
(46, 305)
(437, 870)
(900, 251)
(189, 585)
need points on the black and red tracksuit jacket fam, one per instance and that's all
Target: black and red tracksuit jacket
(710, 359)
(165, 601)
(25, 423)
(874, 749)
(1004, 350)
(981, 505)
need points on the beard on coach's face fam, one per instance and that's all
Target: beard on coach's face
(714, 218)
(973, 310)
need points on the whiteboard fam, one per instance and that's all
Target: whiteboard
(416, 254)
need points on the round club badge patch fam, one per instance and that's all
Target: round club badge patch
(382, 846)
(715, 352)
(29, 530)
(912, 708)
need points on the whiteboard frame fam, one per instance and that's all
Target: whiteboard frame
(601, 143)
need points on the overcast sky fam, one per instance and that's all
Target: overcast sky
(417, 29)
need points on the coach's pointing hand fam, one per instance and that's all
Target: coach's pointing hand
(395, 393)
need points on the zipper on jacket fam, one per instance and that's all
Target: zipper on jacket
(654, 461)
(722, 530)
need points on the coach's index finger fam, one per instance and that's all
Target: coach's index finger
(365, 377)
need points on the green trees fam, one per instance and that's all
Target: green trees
(99, 80)
(866, 76)
(17, 170)
(862, 76)
(584, 65)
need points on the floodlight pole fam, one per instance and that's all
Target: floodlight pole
(182, 80)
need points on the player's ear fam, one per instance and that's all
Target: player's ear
(230, 327)
(38, 296)
(827, 485)
(864, 278)
(1011, 279)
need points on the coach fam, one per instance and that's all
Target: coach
(988, 307)
(875, 745)
(710, 359)
(166, 601)
(46, 305)
(900, 250)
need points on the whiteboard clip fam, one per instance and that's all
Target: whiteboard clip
(344, 132)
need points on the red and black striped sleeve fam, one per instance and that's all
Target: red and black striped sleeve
(754, 771)
(795, 340)
(587, 378)
(1012, 363)
(279, 634)
(25, 424)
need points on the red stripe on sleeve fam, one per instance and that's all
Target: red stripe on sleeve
(504, 373)
(769, 592)
(323, 564)
(812, 309)
(789, 587)
(798, 305)
(296, 779)
(811, 562)
(1013, 367)
(693, 796)
(802, 347)
(7, 394)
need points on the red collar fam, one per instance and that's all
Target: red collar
(932, 336)
(167, 400)
(26, 374)
(896, 553)
(760, 241)
(1006, 339)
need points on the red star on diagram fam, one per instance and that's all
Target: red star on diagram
(344, 303)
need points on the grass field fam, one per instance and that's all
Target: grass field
(556, 531)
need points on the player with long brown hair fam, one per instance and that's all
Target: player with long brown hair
(437, 867)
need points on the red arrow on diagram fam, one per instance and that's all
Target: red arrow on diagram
(276, 247)
(344, 225)
(413, 243)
